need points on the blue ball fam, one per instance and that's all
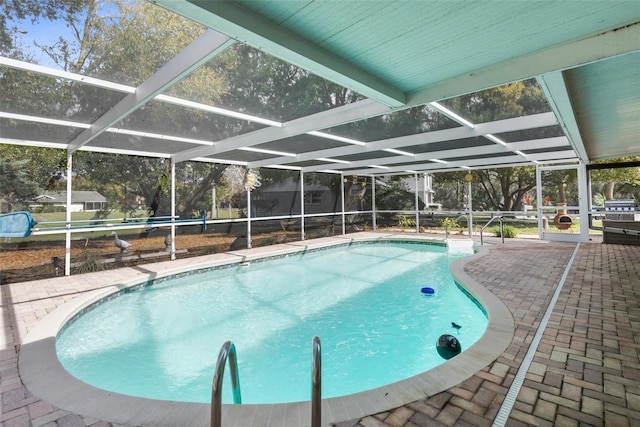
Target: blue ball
(428, 291)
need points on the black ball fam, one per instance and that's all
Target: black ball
(448, 346)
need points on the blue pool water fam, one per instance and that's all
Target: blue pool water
(364, 301)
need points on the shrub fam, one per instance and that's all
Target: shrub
(509, 231)
(49, 209)
(89, 262)
(449, 223)
(405, 222)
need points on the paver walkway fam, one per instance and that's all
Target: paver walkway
(586, 370)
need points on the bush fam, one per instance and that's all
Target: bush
(450, 224)
(509, 231)
(49, 209)
(405, 222)
(89, 262)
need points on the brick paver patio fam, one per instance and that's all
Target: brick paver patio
(586, 370)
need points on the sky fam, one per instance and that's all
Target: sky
(44, 32)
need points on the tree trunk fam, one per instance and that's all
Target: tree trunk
(188, 203)
(505, 187)
(84, 39)
(562, 197)
(608, 190)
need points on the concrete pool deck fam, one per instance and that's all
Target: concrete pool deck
(585, 370)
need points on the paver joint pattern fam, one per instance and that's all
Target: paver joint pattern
(586, 370)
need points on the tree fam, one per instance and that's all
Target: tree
(505, 189)
(563, 182)
(44, 166)
(194, 181)
(122, 178)
(450, 189)
(610, 177)
(16, 184)
(501, 188)
(124, 42)
(396, 195)
(17, 10)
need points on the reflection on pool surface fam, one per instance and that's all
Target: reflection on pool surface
(363, 300)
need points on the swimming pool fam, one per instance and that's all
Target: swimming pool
(375, 320)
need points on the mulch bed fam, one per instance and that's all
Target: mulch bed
(33, 259)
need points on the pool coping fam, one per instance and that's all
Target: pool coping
(46, 378)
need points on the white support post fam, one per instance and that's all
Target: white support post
(67, 257)
(248, 218)
(173, 210)
(344, 226)
(540, 201)
(302, 233)
(415, 175)
(373, 201)
(426, 182)
(214, 203)
(470, 210)
(589, 196)
(583, 201)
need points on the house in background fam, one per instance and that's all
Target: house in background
(424, 187)
(81, 201)
(283, 198)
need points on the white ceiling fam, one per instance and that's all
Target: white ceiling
(397, 54)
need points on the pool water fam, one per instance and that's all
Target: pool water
(364, 301)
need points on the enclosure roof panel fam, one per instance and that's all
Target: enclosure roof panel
(363, 86)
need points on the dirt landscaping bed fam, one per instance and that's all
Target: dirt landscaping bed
(33, 259)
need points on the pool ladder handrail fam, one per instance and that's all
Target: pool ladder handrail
(316, 383)
(499, 218)
(228, 349)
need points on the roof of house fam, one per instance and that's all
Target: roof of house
(76, 197)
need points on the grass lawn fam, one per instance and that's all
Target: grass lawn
(522, 227)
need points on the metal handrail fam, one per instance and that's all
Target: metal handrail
(228, 349)
(615, 230)
(316, 384)
(465, 216)
(499, 218)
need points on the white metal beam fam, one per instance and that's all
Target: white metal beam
(446, 154)
(322, 120)
(423, 157)
(67, 123)
(91, 81)
(506, 161)
(521, 162)
(499, 126)
(537, 144)
(555, 89)
(554, 155)
(117, 87)
(435, 166)
(32, 143)
(62, 146)
(193, 56)
(267, 36)
(602, 46)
